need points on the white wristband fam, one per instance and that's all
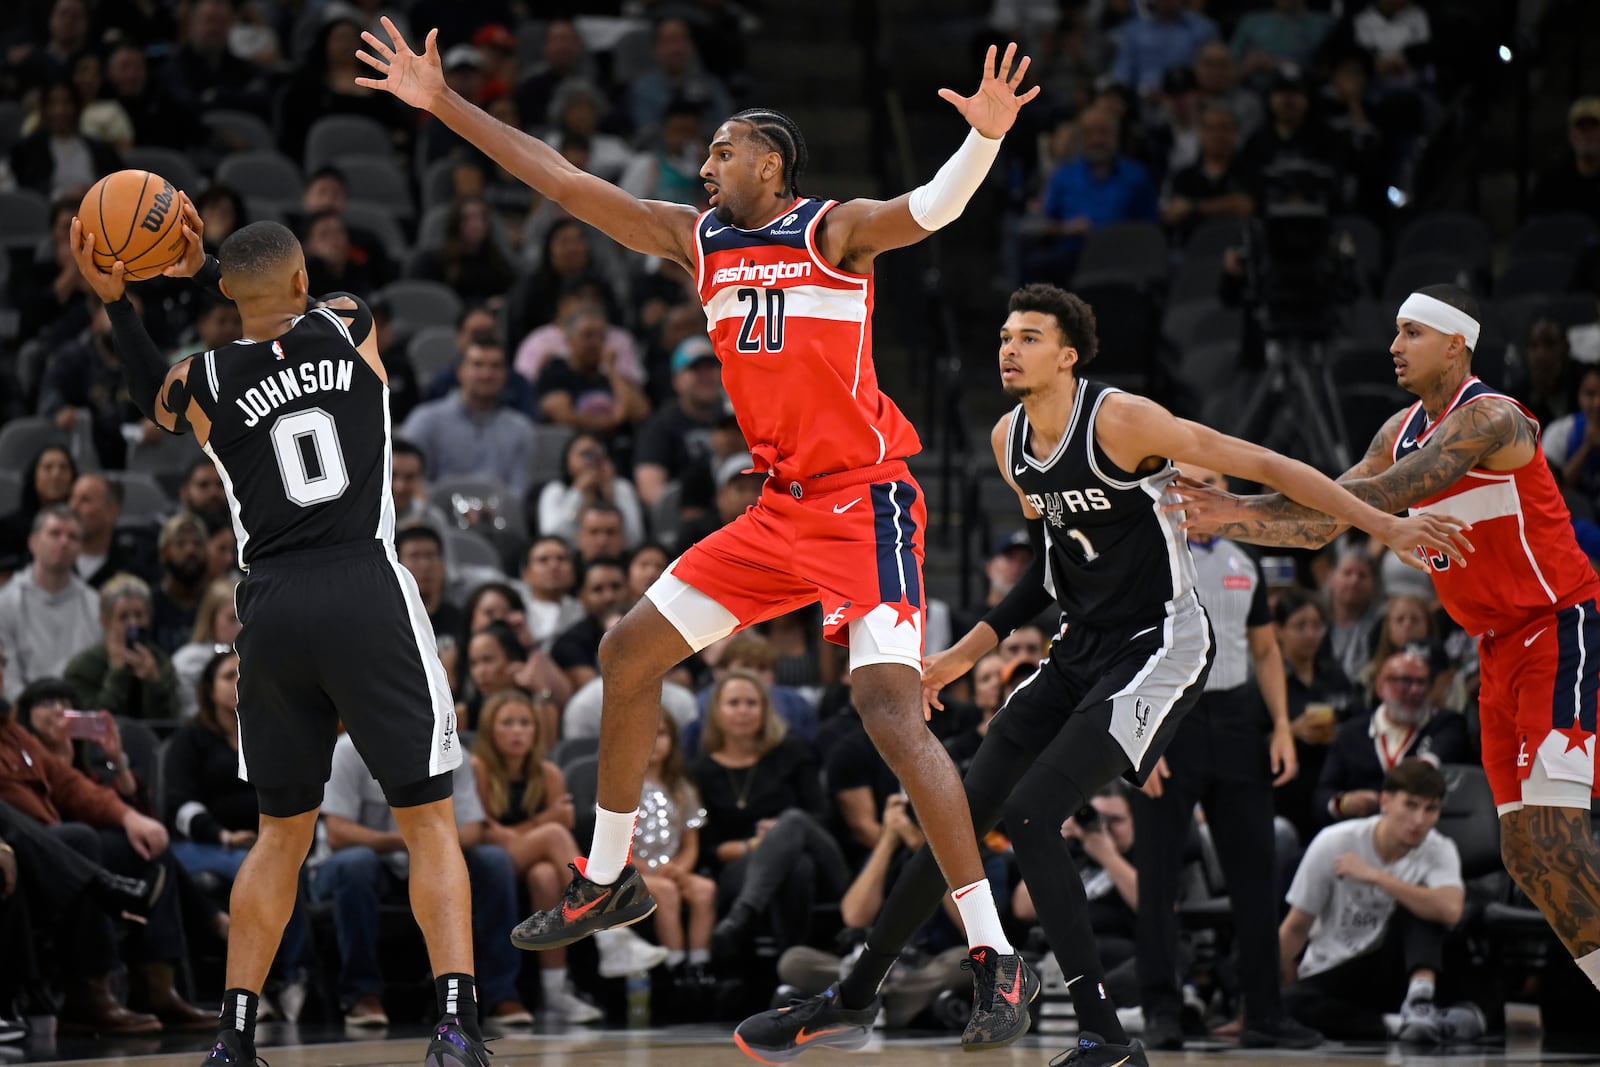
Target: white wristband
(941, 201)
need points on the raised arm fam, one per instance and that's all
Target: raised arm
(857, 231)
(1485, 433)
(653, 227)
(160, 392)
(1131, 429)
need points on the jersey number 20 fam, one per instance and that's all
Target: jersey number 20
(309, 457)
(749, 336)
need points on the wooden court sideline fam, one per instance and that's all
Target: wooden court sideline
(710, 1047)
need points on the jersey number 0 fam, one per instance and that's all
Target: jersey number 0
(309, 457)
(750, 337)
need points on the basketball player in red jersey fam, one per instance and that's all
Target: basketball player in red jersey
(1530, 594)
(786, 281)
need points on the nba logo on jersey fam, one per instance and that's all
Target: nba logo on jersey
(277, 350)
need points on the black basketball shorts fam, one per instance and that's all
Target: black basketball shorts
(339, 634)
(1131, 683)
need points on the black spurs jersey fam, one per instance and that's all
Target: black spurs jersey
(1112, 555)
(300, 436)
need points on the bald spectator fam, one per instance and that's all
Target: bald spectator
(107, 549)
(472, 431)
(47, 613)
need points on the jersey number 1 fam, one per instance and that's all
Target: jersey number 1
(749, 337)
(309, 457)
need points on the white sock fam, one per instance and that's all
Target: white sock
(675, 956)
(700, 956)
(1391, 1023)
(613, 843)
(553, 980)
(976, 904)
(1420, 989)
(1589, 965)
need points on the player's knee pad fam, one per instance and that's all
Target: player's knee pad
(415, 794)
(287, 801)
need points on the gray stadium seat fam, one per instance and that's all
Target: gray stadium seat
(1468, 818)
(1132, 252)
(376, 220)
(1366, 407)
(666, 518)
(569, 750)
(10, 491)
(420, 302)
(438, 183)
(269, 175)
(432, 349)
(549, 445)
(1456, 234)
(1202, 366)
(378, 182)
(1367, 241)
(238, 131)
(583, 782)
(1180, 319)
(1408, 275)
(170, 164)
(1220, 324)
(466, 548)
(334, 137)
(1213, 236)
(496, 496)
(430, 231)
(21, 439)
(1566, 234)
(24, 219)
(168, 460)
(142, 496)
(1533, 275)
(11, 116)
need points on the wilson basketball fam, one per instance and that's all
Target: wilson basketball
(135, 216)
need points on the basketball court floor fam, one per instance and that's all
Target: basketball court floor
(703, 1046)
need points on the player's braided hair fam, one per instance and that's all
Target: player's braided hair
(780, 132)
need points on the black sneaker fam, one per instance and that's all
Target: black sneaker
(133, 898)
(816, 1022)
(1003, 987)
(454, 1047)
(1092, 1051)
(229, 1051)
(585, 909)
(1282, 1032)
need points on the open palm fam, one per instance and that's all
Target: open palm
(993, 108)
(416, 79)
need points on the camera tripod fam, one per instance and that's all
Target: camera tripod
(1295, 403)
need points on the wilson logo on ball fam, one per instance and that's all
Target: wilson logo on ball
(156, 217)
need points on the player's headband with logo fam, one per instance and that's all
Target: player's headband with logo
(1431, 311)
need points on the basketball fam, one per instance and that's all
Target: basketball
(135, 217)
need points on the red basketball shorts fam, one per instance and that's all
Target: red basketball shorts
(1536, 707)
(852, 541)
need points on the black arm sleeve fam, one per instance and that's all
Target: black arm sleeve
(143, 367)
(358, 322)
(1028, 597)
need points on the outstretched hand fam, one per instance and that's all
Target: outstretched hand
(993, 108)
(194, 255)
(1435, 535)
(1206, 508)
(107, 285)
(416, 79)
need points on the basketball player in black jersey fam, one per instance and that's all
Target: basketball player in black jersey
(1090, 465)
(296, 418)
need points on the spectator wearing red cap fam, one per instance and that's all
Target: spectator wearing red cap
(497, 50)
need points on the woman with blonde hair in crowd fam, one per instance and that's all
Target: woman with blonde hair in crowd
(762, 791)
(666, 848)
(216, 625)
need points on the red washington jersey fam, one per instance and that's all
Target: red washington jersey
(794, 334)
(1527, 561)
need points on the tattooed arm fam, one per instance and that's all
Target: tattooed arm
(1484, 432)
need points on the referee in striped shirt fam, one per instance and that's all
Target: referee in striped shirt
(1224, 759)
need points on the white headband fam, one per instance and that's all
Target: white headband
(1431, 311)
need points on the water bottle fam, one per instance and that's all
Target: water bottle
(638, 1000)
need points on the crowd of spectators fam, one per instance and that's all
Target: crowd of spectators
(561, 432)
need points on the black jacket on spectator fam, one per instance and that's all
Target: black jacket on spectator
(79, 377)
(204, 81)
(787, 777)
(200, 767)
(32, 163)
(1562, 188)
(1353, 762)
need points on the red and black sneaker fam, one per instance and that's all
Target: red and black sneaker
(586, 908)
(1003, 988)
